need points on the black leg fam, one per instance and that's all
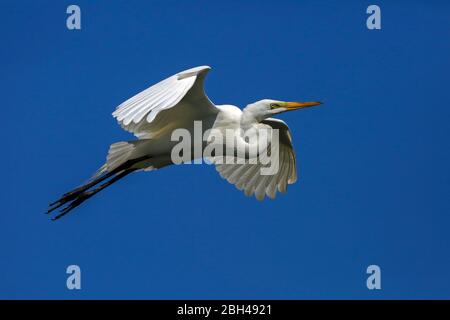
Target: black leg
(72, 195)
(88, 194)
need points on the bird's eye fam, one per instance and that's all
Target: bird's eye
(273, 105)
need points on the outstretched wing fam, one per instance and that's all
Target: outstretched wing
(248, 178)
(167, 105)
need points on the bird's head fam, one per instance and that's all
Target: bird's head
(266, 108)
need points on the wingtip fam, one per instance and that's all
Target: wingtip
(192, 72)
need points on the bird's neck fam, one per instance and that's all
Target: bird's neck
(248, 119)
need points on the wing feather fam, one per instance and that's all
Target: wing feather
(175, 101)
(248, 178)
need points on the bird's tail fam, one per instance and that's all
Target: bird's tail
(120, 162)
(118, 153)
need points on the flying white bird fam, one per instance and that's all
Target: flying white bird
(179, 102)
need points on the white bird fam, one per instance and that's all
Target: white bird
(177, 103)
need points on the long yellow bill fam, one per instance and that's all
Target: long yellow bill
(299, 105)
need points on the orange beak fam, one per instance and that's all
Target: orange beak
(300, 105)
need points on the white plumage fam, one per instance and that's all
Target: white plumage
(176, 103)
(248, 178)
(177, 99)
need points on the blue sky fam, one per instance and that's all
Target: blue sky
(373, 161)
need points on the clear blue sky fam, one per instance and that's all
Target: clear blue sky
(373, 161)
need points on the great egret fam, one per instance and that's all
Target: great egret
(178, 102)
